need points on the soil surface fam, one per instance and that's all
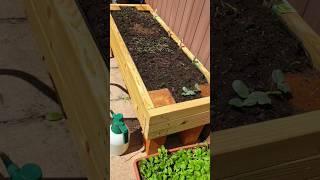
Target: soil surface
(249, 43)
(159, 60)
(95, 12)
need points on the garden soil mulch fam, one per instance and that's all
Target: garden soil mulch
(249, 42)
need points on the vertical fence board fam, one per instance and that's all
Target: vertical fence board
(201, 28)
(193, 22)
(312, 15)
(204, 51)
(167, 10)
(173, 13)
(185, 18)
(179, 16)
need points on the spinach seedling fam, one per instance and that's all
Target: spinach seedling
(248, 98)
(191, 92)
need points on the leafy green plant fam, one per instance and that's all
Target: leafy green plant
(253, 98)
(191, 92)
(183, 164)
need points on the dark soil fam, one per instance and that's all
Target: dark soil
(157, 57)
(249, 45)
(95, 12)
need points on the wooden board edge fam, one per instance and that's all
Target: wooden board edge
(309, 38)
(138, 80)
(272, 142)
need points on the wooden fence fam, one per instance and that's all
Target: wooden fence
(190, 20)
(310, 11)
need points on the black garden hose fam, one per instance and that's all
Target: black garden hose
(34, 81)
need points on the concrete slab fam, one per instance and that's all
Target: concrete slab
(24, 134)
(11, 8)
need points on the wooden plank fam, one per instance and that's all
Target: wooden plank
(273, 142)
(173, 14)
(194, 21)
(140, 99)
(80, 76)
(202, 34)
(185, 18)
(167, 11)
(179, 17)
(312, 15)
(204, 51)
(307, 168)
(304, 32)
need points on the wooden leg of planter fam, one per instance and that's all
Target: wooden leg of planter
(190, 136)
(159, 98)
(152, 145)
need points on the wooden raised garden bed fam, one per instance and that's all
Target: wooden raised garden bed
(286, 147)
(156, 118)
(80, 75)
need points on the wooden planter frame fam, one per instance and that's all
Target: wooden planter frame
(285, 148)
(79, 74)
(165, 120)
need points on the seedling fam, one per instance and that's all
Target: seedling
(253, 98)
(183, 164)
(191, 92)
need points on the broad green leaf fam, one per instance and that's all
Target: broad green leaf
(250, 101)
(185, 89)
(54, 116)
(197, 87)
(240, 88)
(277, 76)
(236, 102)
(274, 92)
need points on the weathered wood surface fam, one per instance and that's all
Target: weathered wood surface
(80, 76)
(161, 121)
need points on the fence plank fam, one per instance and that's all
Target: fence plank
(173, 13)
(204, 51)
(186, 17)
(201, 29)
(179, 17)
(312, 15)
(193, 22)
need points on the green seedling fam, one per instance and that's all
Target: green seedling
(183, 164)
(191, 92)
(248, 99)
(54, 116)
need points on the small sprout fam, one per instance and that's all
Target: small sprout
(54, 116)
(249, 99)
(191, 92)
(278, 78)
(240, 88)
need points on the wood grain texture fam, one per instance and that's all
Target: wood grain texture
(80, 76)
(265, 144)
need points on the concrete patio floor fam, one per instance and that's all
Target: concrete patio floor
(25, 135)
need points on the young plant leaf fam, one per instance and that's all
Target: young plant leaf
(277, 76)
(197, 87)
(240, 88)
(54, 116)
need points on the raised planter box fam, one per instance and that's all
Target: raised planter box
(157, 121)
(285, 148)
(80, 75)
(170, 151)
